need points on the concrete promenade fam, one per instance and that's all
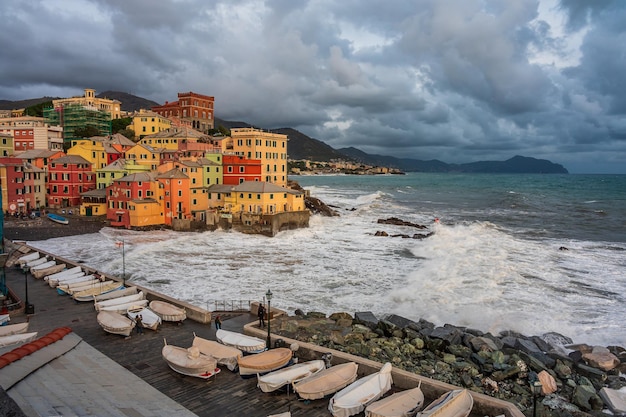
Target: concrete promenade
(227, 395)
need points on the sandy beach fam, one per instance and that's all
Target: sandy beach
(41, 228)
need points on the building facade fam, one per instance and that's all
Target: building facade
(30, 132)
(68, 177)
(195, 109)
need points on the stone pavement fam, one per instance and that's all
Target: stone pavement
(226, 395)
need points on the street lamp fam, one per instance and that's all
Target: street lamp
(28, 307)
(268, 295)
(536, 388)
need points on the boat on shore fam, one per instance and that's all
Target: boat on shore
(24, 259)
(115, 323)
(17, 339)
(41, 266)
(122, 292)
(17, 328)
(224, 355)
(40, 273)
(455, 403)
(61, 274)
(123, 308)
(284, 377)
(168, 311)
(401, 404)
(36, 262)
(245, 343)
(148, 318)
(264, 362)
(190, 361)
(103, 288)
(355, 397)
(119, 300)
(327, 381)
(57, 218)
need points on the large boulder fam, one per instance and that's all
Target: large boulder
(366, 318)
(600, 357)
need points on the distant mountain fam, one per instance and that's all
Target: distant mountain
(129, 101)
(22, 104)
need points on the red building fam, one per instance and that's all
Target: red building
(130, 188)
(68, 177)
(238, 169)
(196, 109)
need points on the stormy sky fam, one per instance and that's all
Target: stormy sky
(459, 81)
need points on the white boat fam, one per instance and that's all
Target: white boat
(327, 381)
(40, 273)
(4, 318)
(9, 329)
(83, 287)
(120, 300)
(115, 323)
(292, 374)
(247, 344)
(24, 259)
(168, 311)
(122, 292)
(189, 361)
(41, 266)
(285, 414)
(86, 282)
(148, 318)
(264, 362)
(455, 403)
(355, 397)
(77, 277)
(401, 404)
(103, 288)
(17, 339)
(63, 273)
(36, 262)
(224, 355)
(123, 308)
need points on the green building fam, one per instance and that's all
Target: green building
(75, 116)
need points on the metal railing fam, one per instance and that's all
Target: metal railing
(228, 305)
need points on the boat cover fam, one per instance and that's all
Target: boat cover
(261, 363)
(455, 403)
(167, 311)
(119, 300)
(278, 379)
(355, 397)
(248, 344)
(116, 323)
(326, 382)
(401, 404)
(225, 355)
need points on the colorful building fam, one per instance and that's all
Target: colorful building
(135, 201)
(23, 186)
(270, 148)
(146, 122)
(255, 198)
(89, 100)
(30, 132)
(238, 169)
(6, 145)
(191, 107)
(68, 177)
(176, 192)
(141, 154)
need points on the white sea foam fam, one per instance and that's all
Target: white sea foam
(469, 273)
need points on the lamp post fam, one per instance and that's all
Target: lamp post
(28, 307)
(268, 295)
(123, 246)
(535, 387)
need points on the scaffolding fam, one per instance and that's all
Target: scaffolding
(75, 116)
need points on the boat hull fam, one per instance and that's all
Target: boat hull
(355, 397)
(401, 404)
(284, 377)
(245, 343)
(57, 219)
(167, 311)
(264, 362)
(115, 323)
(455, 403)
(326, 382)
(224, 355)
(189, 362)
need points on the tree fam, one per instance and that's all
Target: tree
(120, 124)
(37, 109)
(129, 133)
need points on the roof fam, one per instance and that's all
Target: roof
(36, 153)
(173, 174)
(71, 159)
(97, 193)
(220, 188)
(137, 177)
(177, 132)
(117, 165)
(119, 139)
(262, 187)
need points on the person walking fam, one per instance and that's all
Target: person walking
(218, 322)
(139, 324)
(261, 315)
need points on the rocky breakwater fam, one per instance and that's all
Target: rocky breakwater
(575, 379)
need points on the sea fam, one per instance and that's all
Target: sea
(528, 253)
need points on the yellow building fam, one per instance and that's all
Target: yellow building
(142, 154)
(147, 122)
(171, 138)
(92, 149)
(270, 148)
(6, 144)
(255, 197)
(89, 100)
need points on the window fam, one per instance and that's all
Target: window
(242, 169)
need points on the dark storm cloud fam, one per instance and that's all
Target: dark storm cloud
(450, 80)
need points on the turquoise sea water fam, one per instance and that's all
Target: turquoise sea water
(493, 263)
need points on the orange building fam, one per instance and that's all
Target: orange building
(176, 201)
(191, 107)
(134, 201)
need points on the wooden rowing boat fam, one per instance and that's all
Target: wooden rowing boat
(355, 397)
(284, 377)
(149, 319)
(89, 293)
(123, 308)
(326, 382)
(224, 355)
(115, 323)
(17, 328)
(56, 276)
(264, 362)
(40, 273)
(119, 300)
(189, 361)
(167, 311)
(17, 339)
(245, 343)
(122, 292)
(455, 403)
(401, 404)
